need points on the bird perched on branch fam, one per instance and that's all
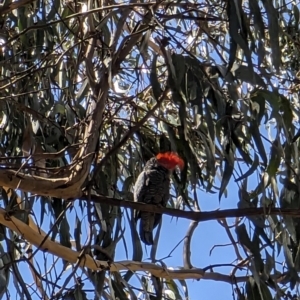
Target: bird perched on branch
(153, 187)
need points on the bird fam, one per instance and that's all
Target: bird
(153, 187)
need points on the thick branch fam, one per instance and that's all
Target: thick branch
(10, 194)
(71, 256)
(196, 216)
(55, 187)
(36, 239)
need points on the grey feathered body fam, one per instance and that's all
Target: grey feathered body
(152, 187)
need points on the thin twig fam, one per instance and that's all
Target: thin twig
(224, 224)
(187, 245)
(37, 278)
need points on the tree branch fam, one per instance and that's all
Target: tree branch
(187, 245)
(55, 187)
(196, 216)
(85, 260)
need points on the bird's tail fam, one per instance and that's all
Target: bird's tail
(145, 235)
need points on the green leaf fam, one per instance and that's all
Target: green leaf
(127, 183)
(265, 291)
(118, 289)
(244, 74)
(257, 106)
(179, 68)
(238, 33)
(173, 287)
(251, 170)
(252, 291)
(275, 159)
(269, 264)
(185, 288)
(228, 167)
(274, 33)
(254, 131)
(243, 236)
(77, 233)
(54, 10)
(157, 91)
(4, 278)
(296, 15)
